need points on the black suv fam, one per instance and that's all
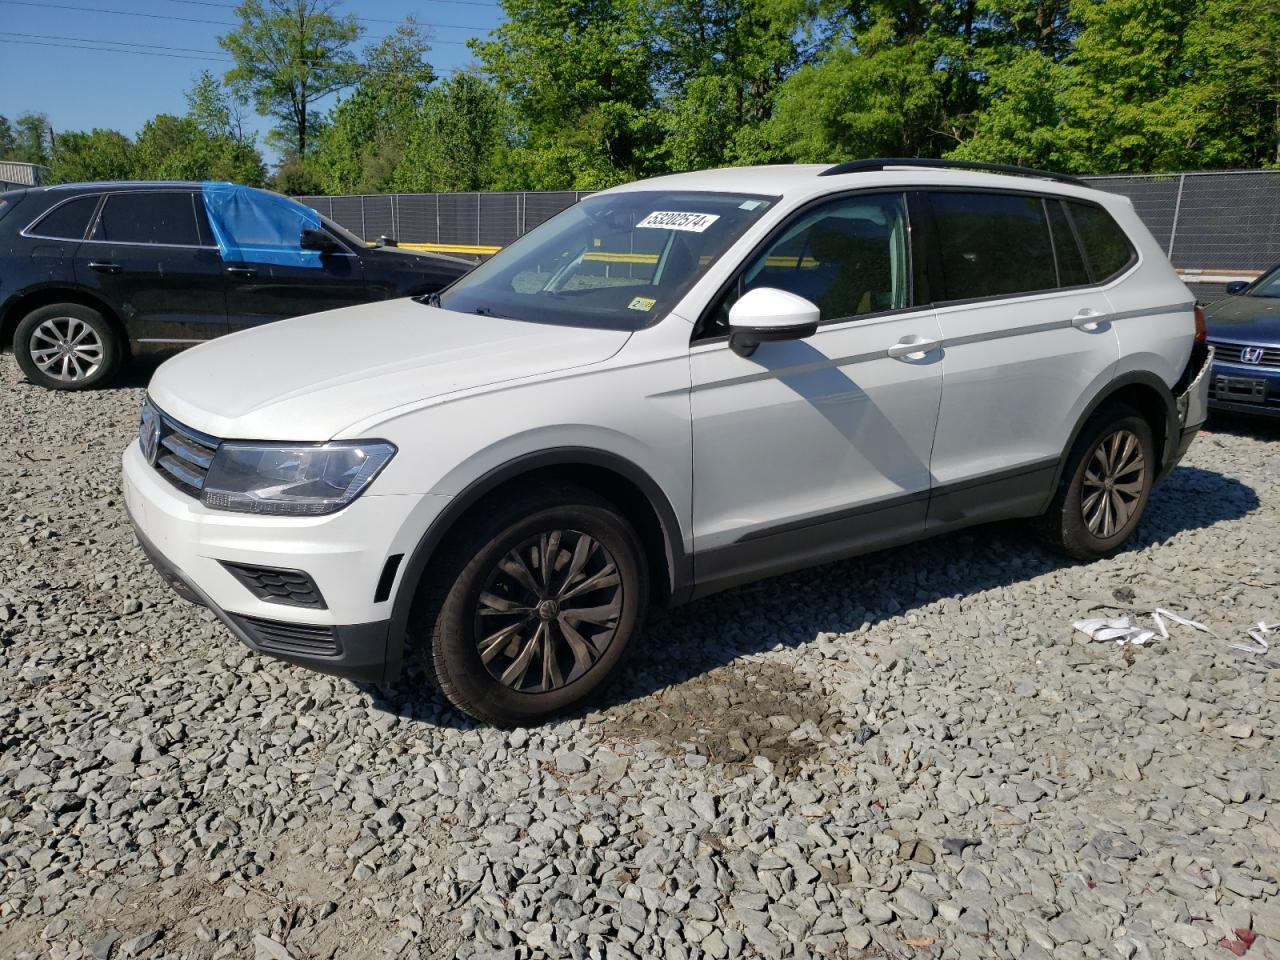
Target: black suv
(92, 273)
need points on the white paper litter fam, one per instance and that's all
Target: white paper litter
(1124, 631)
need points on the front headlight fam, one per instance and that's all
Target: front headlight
(300, 480)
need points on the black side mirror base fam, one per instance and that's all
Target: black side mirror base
(744, 340)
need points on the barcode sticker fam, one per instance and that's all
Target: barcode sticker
(678, 220)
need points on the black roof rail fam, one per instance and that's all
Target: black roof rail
(881, 163)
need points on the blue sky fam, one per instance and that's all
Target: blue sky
(46, 64)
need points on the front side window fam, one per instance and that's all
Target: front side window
(992, 244)
(848, 257)
(1105, 245)
(617, 261)
(68, 221)
(147, 217)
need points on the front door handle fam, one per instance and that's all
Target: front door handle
(913, 348)
(1088, 319)
(105, 266)
(247, 272)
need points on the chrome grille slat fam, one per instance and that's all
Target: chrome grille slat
(1231, 353)
(184, 455)
(187, 450)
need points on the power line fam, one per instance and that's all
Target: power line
(122, 13)
(231, 6)
(220, 23)
(121, 43)
(150, 49)
(145, 53)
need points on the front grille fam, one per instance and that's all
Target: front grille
(297, 639)
(1233, 353)
(278, 585)
(181, 455)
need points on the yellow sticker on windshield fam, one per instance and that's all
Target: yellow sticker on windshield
(642, 303)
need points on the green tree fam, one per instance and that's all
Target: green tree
(370, 130)
(288, 55)
(895, 79)
(25, 140)
(179, 148)
(579, 75)
(460, 140)
(95, 155)
(721, 63)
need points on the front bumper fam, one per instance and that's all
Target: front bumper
(345, 553)
(355, 651)
(1230, 389)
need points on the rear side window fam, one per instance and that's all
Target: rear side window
(67, 221)
(1071, 269)
(161, 218)
(1106, 247)
(992, 244)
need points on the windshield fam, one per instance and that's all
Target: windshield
(617, 261)
(1268, 286)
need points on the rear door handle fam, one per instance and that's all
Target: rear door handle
(1087, 319)
(913, 347)
(105, 266)
(247, 272)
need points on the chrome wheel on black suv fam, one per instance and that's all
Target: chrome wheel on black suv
(534, 606)
(66, 346)
(1105, 485)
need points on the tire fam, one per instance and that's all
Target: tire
(479, 592)
(67, 346)
(1089, 517)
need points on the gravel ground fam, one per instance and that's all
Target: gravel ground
(907, 755)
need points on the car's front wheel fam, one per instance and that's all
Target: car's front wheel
(67, 346)
(532, 607)
(1105, 486)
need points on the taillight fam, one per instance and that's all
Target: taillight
(1202, 332)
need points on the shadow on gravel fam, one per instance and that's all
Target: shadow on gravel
(691, 679)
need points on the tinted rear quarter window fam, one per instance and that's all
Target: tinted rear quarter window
(67, 221)
(992, 244)
(144, 217)
(1106, 247)
(1071, 269)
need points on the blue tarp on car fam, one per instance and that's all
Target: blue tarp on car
(259, 227)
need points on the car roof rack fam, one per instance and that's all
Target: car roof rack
(882, 163)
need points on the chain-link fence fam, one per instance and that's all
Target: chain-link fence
(450, 219)
(1224, 224)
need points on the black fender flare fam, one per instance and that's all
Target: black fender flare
(1142, 378)
(679, 563)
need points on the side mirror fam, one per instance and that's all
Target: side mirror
(385, 241)
(317, 240)
(766, 314)
(1235, 286)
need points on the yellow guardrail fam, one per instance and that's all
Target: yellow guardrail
(472, 249)
(597, 256)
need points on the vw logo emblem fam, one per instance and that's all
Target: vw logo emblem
(1250, 354)
(149, 435)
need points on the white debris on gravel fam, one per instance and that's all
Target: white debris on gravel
(910, 754)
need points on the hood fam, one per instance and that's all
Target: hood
(401, 256)
(309, 377)
(1245, 319)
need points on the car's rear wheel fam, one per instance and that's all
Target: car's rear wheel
(532, 607)
(1105, 486)
(67, 346)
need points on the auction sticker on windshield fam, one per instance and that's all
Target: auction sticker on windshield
(678, 220)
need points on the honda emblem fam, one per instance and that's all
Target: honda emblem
(1250, 354)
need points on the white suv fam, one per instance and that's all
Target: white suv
(671, 388)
